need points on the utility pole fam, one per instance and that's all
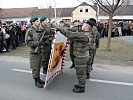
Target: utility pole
(97, 11)
(0, 11)
(50, 13)
(55, 9)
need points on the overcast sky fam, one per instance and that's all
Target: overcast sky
(38, 3)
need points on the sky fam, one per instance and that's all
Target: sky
(38, 3)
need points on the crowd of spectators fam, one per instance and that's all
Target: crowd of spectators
(121, 28)
(12, 35)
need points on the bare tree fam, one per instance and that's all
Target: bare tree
(110, 7)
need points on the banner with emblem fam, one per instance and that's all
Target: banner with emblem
(56, 61)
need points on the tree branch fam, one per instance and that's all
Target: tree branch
(100, 3)
(108, 3)
(116, 5)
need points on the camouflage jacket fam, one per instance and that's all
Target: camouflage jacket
(47, 31)
(31, 39)
(93, 36)
(74, 29)
(97, 41)
(80, 42)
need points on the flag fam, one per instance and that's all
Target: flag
(56, 61)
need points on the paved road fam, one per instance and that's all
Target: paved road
(128, 39)
(107, 82)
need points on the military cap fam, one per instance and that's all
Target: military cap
(43, 18)
(33, 19)
(92, 19)
(61, 22)
(76, 20)
(91, 23)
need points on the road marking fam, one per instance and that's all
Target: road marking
(111, 82)
(24, 71)
(92, 80)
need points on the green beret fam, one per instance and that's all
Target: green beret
(43, 18)
(76, 20)
(33, 19)
(61, 22)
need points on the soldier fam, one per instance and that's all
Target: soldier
(75, 28)
(94, 44)
(61, 24)
(46, 48)
(1, 39)
(80, 52)
(32, 40)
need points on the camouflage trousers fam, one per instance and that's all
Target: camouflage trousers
(80, 66)
(46, 50)
(92, 53)
(35, 65)
(71, 53)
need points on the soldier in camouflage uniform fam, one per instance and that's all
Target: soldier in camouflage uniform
(32, 40)
(75, 28)
(93, 45)
(62, 24)
(81, 53)
(46, 48)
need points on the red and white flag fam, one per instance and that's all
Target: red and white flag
(56, 61)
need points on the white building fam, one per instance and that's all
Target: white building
(80, 12)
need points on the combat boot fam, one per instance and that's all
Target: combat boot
(41, 81)
(79, 89)
(72, 66)
(38, 84)
(88, 76)
(44, 70)
(76, 86)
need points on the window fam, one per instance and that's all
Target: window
(86, 10)
(81, 10)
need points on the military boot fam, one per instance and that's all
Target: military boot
(41, 81)
(87, 75)
(78, 89)
(76, 86)
(38, 84)
(44, 70)
(72, 66)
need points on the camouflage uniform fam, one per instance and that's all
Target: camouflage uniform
(92, 50)
(46, 48)
(74, 29)
(80, 52)
(31, 40)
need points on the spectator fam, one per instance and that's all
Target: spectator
(1, 40)
(23, 29)
(100, 29)
(13, 36)
(124, 29)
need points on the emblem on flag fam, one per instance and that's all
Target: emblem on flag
(56, 61)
